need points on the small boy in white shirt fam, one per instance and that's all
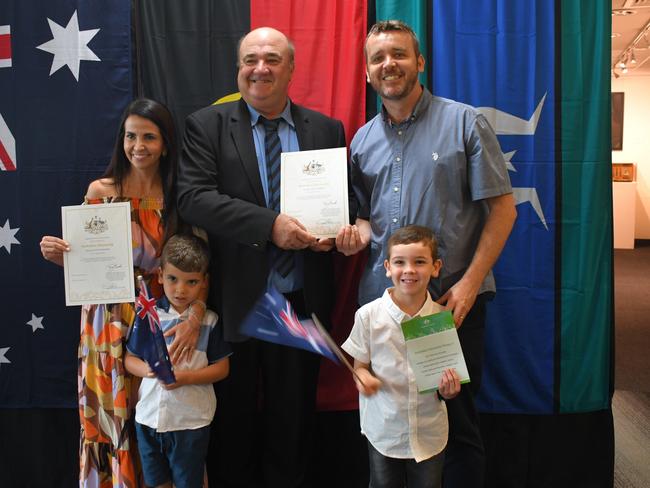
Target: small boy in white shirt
(406, 431)
(173, 421)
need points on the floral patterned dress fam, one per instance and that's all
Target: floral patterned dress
(108, 454)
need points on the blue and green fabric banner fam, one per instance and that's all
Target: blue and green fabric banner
(538, 71)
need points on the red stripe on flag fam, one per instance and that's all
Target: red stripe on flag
(5, 46)
(329, 77)
(6, 160)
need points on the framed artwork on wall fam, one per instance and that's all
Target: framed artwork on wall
(617, 120)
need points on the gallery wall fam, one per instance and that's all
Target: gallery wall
(636, 130)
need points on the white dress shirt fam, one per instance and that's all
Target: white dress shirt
(398, 421)
(188, 407)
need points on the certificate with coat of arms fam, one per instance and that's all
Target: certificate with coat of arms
(314, 189)
(99, 266)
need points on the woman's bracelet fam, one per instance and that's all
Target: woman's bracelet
(193, 320)
(193, 315)
(200, 303)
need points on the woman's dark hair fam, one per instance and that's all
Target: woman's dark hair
(120, 166)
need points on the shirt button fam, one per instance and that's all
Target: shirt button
(398, 159)
(396, 189)
(399, 132)
(394, 221)
(255, 244)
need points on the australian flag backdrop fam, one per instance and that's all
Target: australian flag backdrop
(60, 100)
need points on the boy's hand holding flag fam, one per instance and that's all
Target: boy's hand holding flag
(146, 340)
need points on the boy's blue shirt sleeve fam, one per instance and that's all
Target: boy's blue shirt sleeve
(218, 348)
(130, 345)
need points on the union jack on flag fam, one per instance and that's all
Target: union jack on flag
(7, 147)
(292, 322)
(146, 307)
(5, 46)
(274, 320)
(146, 339)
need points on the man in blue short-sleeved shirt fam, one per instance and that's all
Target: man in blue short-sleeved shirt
(431, 161)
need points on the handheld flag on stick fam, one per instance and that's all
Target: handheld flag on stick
(147, 340)
(335, 348)
(274, 320)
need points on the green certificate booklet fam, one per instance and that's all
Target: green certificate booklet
(432, 346)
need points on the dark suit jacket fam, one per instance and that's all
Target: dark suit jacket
(219, 189)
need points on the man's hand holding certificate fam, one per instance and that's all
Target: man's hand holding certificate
(314, 189)
(432, 346)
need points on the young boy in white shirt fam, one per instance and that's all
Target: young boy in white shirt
(173, 421)
(406, 431)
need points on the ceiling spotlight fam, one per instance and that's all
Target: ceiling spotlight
(622, 64)
(616, 34)
(623, 12)
(624, 70)
(632, 58)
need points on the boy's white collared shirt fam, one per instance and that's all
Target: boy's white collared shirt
(398, 421)
(188, 407)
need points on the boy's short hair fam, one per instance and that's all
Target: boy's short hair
(187, 252)
(411, 234)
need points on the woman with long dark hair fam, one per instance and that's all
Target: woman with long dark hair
(142, 171)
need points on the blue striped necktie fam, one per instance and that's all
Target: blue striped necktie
(283, 260)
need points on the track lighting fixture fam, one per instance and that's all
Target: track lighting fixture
(627, 58)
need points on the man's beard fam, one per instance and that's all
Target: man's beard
(390, 94)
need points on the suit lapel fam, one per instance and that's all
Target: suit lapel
(303, 128)
(242, 136)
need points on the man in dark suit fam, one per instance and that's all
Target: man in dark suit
(265, 407)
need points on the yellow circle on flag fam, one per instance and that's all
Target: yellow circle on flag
(233, 97)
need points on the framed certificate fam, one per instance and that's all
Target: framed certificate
(99, 266)
(314, 189)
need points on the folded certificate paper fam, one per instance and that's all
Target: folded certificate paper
(432, 346)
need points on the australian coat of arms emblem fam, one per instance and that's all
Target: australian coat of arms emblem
(96, 225)
(313, 168)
